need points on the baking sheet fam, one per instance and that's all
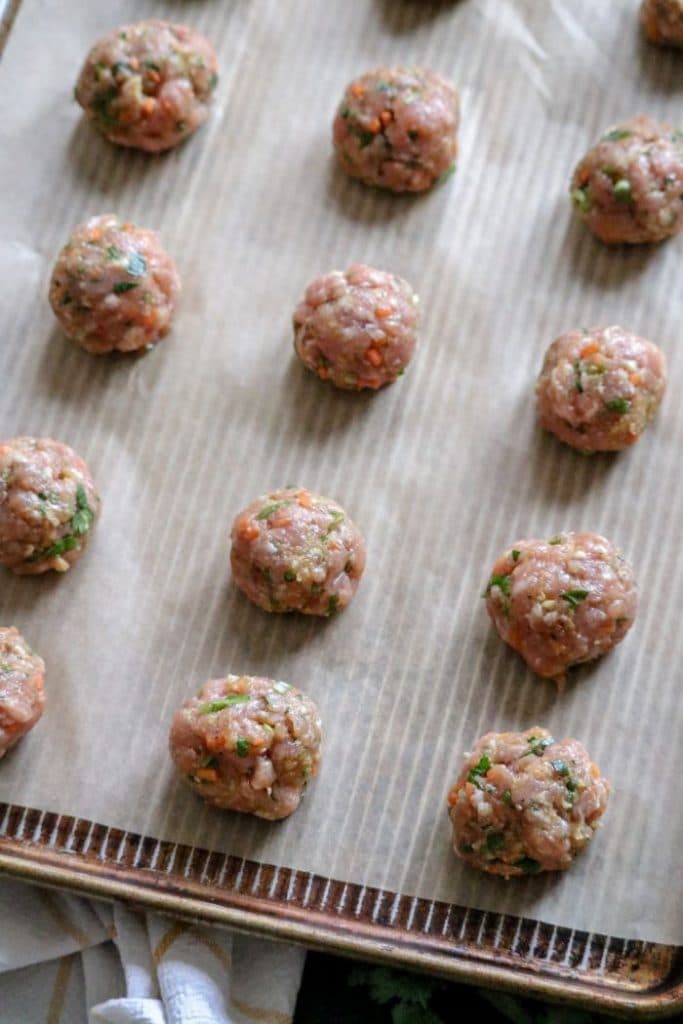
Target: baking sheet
(441, 471)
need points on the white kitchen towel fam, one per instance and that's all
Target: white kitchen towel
(66, 960)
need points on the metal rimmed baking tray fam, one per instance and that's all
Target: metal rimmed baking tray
(251, 208)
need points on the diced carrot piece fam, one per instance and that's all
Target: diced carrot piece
(357, 89)
(385, 117)
(247, 530)
(590, 349)
(382, 312)
(305, 499)
(375, 125)
(206, 774)
(635, 378)
(374, 356)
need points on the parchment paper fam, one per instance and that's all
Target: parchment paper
(441, 471)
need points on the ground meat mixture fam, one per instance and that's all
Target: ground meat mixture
(525, 802)
(357, 329)
(48, 505)
(113, 286)
(22, 697)
(563, 601)
(662, 21)
(600, 387)
(629, 187)
(148, 85)
(396, 128)
(248, 744)
(294, 551)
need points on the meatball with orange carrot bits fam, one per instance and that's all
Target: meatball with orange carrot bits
(525, 802)
(295, 551)
(357, 329)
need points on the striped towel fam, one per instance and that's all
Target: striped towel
(66, 960)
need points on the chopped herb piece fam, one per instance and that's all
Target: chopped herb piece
(561, 767)
(337, 520)
(502, 582)
(290, 576)
(102, 105)
(225, 702)
(413, 135)
(577, 377)
(333, 604)
(467, 848)
(495, 841)
(538, 746)
(124, 286)
(211, 762)
(242, 747)
(281, 687)
(67, 543)
(213, 81)
(180, 126)
(616, 134)
(66, 300)
(137, 264)
(152, 66)
(346, 112)
(269, 509)
(506, 796)
(515, 554)
(622, 190)
(401, 371)
(581, 200)
(575, 597)
(83, 517)
(113, 253)
(618, 405)
(557, 539)
(594, 369)
(480, 768)
(365, 137)
(446, 174)
(528, 865)
(571, 785)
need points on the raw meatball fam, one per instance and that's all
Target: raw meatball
(662, 21)
(563, 601)
(248, 744)
(48, 505)
(525, 803)
(148, 85)
(357, 329)
(293, 551)
(396, 128)
(22, 698)
(600, 388)
(113, 286)
(629, 187)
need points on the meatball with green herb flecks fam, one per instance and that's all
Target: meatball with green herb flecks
(295, 551)
(148, 85)
(48, 505)
(629, 187)
(396, 128)
(563, 601)
(248, 744)
(357, 329)
(22, 694)
(662, 21)
(600, 387)
(114, 287)
(525, 802)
